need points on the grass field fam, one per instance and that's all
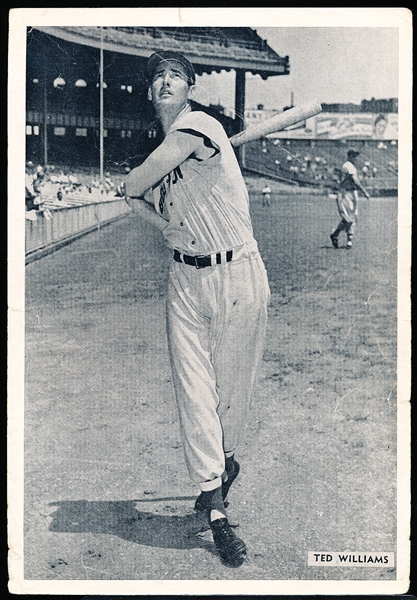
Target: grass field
(107, 492)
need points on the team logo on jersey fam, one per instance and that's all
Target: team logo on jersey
(162, 195)
(176, 174)
(173, 177)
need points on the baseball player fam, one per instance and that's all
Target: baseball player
(347, 199)
(191, 188)
(266, 196)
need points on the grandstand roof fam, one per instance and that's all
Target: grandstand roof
(208, 48)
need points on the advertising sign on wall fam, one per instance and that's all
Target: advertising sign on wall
(336, 126)
(356, 126)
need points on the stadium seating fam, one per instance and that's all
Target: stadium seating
(63, 186)
(313, 162)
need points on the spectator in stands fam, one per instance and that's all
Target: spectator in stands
(63, 178)
(120, 190)
(34, 180)
(32, 196)
(294, 170)
(38, 180)
(347, 199)
(392, 167)
(73, 179)
(108, 183)
(29, 191)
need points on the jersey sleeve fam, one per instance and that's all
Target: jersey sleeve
(349, 169)
(208, 142)
(202, 125)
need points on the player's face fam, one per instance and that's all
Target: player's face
(170, 86)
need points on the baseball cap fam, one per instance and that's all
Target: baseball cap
(353, 152)
(157, 57)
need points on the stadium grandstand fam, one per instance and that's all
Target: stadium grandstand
(88, 120)
(316, 163)
(311, 153)
(63, 86)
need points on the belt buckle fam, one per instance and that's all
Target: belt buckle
(202, 261)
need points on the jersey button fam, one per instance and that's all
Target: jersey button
(181, 224)
(170, 203)
(193, 242)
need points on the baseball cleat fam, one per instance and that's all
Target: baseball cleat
(232, 549)
(349, 245)
(334, 241)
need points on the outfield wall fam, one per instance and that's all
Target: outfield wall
(334, 126)
(55, 228)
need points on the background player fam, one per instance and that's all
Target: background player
(347, 199)
(266, 196)
(192, 190)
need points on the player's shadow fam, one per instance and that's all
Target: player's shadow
(125, 520)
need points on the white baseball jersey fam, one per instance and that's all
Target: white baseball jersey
(347, 198)
(216, 316)
(347, 183)
(205, 201)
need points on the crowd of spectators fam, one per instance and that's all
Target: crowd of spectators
(318, 165)
(48, 188)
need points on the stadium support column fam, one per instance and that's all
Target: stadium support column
(240, 106)
(101, 108)
(45, 116)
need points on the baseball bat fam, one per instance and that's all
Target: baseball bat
(276, 123)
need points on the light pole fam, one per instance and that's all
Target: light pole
(101, 109)
(45, 118)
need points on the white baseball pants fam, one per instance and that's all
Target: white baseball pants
(216, 323)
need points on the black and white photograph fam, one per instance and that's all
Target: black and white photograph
(209, 301)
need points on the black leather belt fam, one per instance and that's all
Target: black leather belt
(199, 262)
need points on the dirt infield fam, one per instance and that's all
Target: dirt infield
(107, 493)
